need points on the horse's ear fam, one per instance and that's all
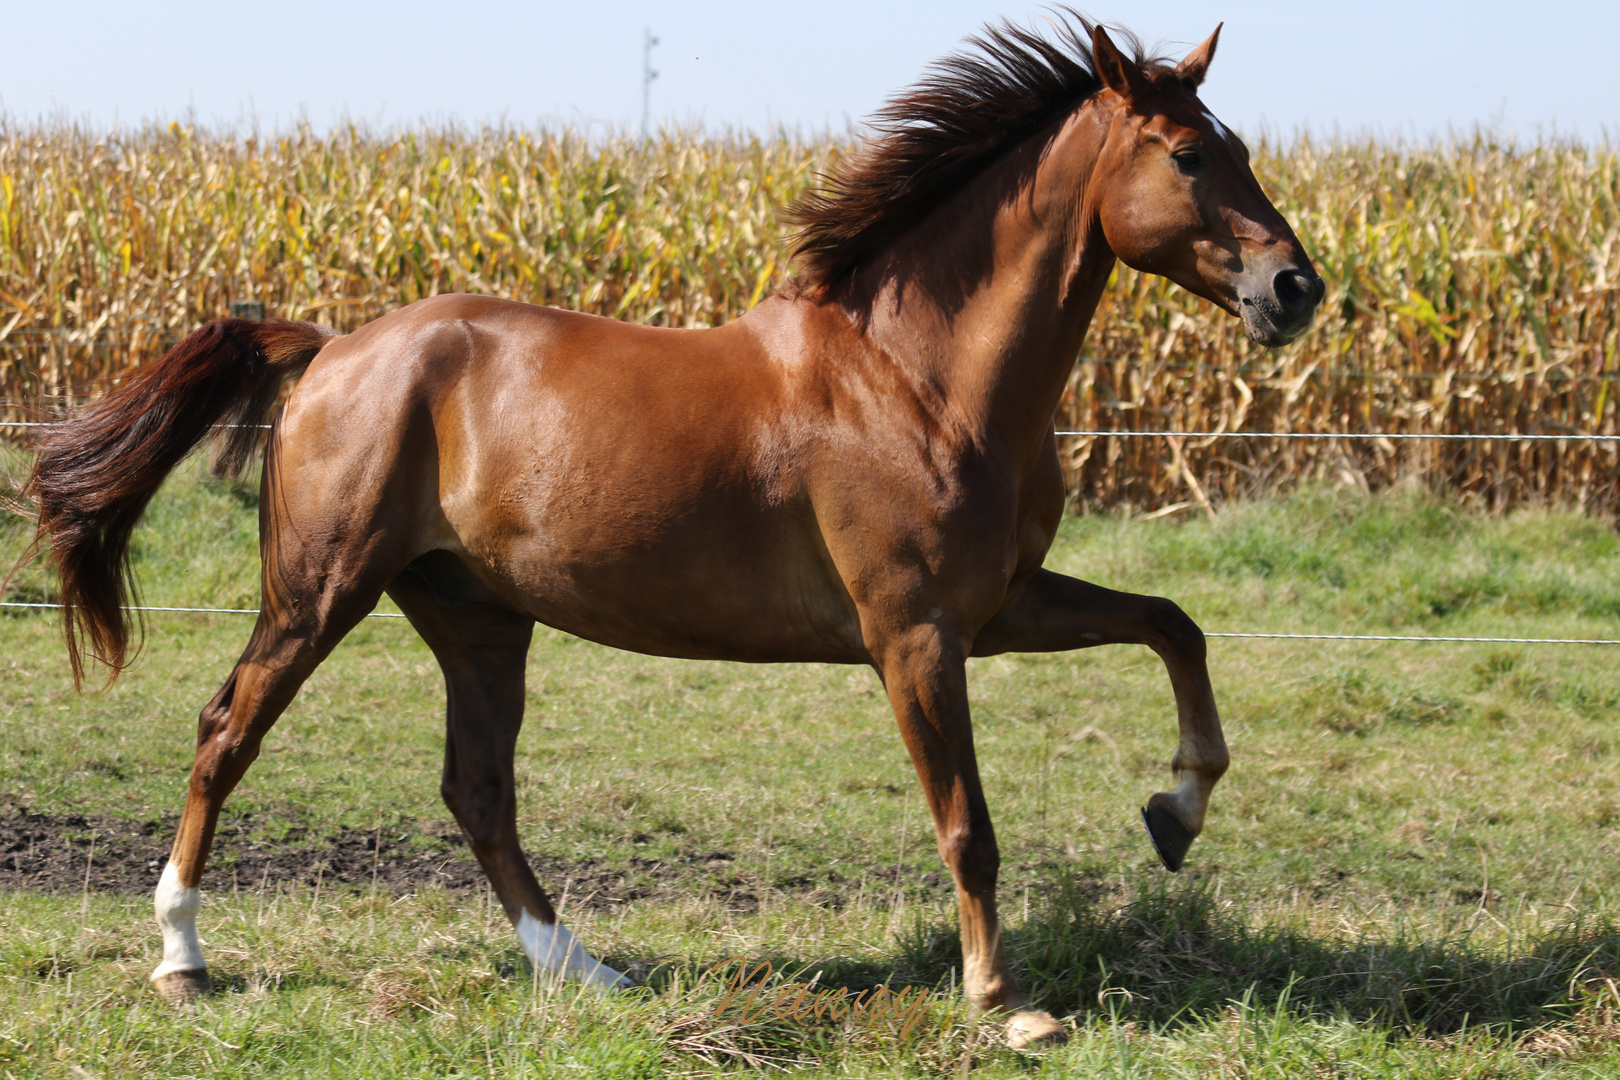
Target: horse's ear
(1119, 73)
(1195, 65)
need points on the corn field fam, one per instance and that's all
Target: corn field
(1473, 286)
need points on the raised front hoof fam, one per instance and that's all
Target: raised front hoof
(182, 987)
(1171, 838)
(1035, 1030)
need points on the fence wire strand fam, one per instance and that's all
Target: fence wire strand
(1317, 435)
(1131, 434)
(196, 610)
(53, 423)
(1127, 433)
(1391, 436)
(1421, 639)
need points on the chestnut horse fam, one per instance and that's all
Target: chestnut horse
(860, 470)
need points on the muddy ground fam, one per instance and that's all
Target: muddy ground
(69, 853)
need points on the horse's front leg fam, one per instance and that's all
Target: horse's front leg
(1052, 613)
(923, 671)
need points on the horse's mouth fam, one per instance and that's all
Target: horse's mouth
(1267, 330)
(1284, 311)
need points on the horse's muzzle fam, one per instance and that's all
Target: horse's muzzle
(1282, 308)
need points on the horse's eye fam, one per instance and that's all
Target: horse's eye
(1189, 160)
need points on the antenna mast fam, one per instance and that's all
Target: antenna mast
(647, 77)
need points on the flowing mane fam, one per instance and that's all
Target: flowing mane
(968, 109)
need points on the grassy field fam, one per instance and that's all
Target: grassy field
(1410, 871)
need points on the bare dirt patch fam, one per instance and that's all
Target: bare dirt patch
(69, 853)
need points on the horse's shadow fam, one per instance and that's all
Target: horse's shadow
(1174, 953)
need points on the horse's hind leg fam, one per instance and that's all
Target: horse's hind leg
(284, 649)
(1053, 613)
(482, 647)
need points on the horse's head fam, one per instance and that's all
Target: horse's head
(1176, 197)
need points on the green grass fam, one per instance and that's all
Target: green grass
(1411, 869)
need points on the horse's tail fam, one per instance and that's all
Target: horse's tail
(96, 471)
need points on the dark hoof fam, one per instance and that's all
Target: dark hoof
(1170, 837)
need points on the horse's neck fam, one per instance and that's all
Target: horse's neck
(987, 301)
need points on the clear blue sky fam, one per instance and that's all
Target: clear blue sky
(1410, 68)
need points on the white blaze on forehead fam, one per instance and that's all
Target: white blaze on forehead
(1220, 128)
(553, 950)
(177, 908)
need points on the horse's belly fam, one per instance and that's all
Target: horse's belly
(750, 596)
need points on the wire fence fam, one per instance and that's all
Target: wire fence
(26, 338)
(1395, 436)
(1098, 433)
(1131, 433)
(54, 423)
(190, 610)
(1125, 434)
(1410, 638)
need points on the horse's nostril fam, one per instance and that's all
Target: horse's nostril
(1297, 291)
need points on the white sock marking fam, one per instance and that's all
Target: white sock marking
(553, 950)
(1191, 797)
(177, 908)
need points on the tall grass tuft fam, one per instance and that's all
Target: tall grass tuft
(1474, 285)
